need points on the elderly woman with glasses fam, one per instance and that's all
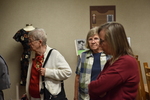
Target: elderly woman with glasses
(91, 63)
(120, 77)
(55, 70)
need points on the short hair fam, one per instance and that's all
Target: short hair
(39, 34)
(92, 32)
(117, 39)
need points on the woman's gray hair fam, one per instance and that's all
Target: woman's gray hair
(39, 34)
(91, 33)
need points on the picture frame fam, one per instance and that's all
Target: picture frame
(102, 14)
(80, 46)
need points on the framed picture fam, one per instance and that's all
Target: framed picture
(129, 40)
(80, 46)
(110, 18)
(102, 14)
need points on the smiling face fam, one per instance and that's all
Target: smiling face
(93, 42)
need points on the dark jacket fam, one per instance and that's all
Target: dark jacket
(4, 75)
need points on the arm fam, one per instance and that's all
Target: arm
(104, 83)
(76, 87)
(57, 67)
(4, 75)
(122, 73)
(109, 78)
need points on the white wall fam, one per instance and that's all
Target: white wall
(65, 21)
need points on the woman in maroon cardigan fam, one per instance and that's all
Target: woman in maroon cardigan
(120, 77)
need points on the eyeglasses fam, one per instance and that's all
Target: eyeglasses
(93, 39)
(101, 41)
(30, 41)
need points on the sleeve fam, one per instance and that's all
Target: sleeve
(4, 75)
(109, 79)
(57, 68)
(78, 66)
(18, 36)
(2, 68)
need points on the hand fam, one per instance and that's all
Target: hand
(42, 71)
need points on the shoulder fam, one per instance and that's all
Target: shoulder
(127, 58)
(53, 50)
(126, 62)
(88, 52)
(1, 59)
(2, 62)
(55, 53)
(21, 31)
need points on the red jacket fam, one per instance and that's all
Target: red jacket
(119, 81)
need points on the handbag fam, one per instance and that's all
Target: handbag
(47, 94)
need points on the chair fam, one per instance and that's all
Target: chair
(147, 75)
(141, 90)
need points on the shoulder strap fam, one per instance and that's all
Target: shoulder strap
(47, 57)
(45, 62)
(43, 78)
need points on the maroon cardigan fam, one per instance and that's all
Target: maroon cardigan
(119, 81)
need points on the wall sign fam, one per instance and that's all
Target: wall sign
(102, 14)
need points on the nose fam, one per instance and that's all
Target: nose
(93, 41)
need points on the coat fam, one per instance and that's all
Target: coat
(57, 69)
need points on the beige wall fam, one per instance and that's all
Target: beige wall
(65, 21)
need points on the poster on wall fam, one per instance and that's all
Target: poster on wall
(102, 14)
(129, 40)
(80, 46)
